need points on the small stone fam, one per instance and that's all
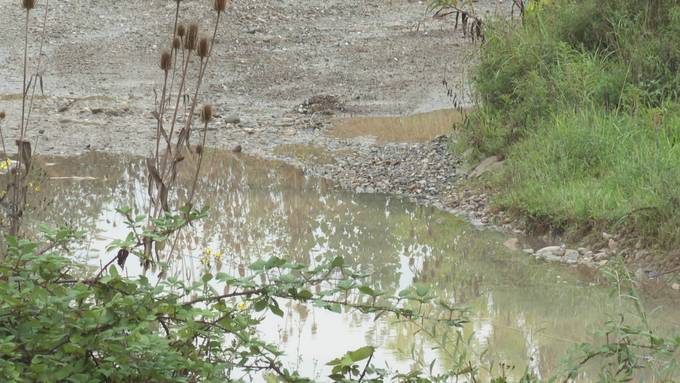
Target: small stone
(232, 120)
(612, 244)
(586, 260)
(528, 251)
(512, 244)
(571, 255)
(237, 149)
(675, 286)
(603, 262)
(249, 130)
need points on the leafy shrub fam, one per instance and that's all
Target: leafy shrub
(582, 98)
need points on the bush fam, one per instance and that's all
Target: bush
(583, 100)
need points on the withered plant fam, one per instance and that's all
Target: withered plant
(464, 16)
(183, 65)
(13, 199)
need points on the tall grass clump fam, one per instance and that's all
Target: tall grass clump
(582, 99)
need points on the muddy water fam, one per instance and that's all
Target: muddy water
(421, 127)
(524, 313)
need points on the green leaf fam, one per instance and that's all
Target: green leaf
(338, 262)
(361, 354)
(367, 290)
(276, 310)
(422, 291)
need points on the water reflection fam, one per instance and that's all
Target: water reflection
(421, 127)
(522, 310)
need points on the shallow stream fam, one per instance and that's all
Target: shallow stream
(524, 312)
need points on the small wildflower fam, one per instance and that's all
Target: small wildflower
(205, 261)
(6, 165)
(242, 306)
(218, 256)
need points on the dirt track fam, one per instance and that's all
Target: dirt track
(376, 57)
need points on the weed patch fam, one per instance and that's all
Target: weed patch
(582, 100)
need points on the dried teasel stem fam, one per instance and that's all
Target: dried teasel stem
(220, 5)
(203, 48)
(192, 37)
(206, 116)
(2, 137)
(174, 26)
(28, 4)
(165, 169)
(38, 65)
(186, 131)
(24, 91)
(166, 61)
(206, 113)
(166, 65)
(176, 47)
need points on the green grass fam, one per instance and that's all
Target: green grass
(583, 101)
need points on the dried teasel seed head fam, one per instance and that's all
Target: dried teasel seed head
(203, 47)
(176, 43)
(199, 149)
(181, 30)
(28, 4)
(166, 61)
(206, 113)
(192, 37)
(220, 5)
(2, 115)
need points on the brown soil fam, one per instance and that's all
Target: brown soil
(347, 57)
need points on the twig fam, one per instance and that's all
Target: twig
(368, 363)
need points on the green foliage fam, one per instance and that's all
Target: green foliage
(582, 99)
(629, 345)
(61, 321)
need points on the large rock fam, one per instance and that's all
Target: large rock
(490, 164)
(551, 253)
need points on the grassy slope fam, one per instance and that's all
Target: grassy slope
(583, 101)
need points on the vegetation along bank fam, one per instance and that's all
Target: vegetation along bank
(581, 101)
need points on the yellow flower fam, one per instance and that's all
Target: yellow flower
(218, 256)
(205, 261)
(242, 306)
(207, 251)
(5, 165)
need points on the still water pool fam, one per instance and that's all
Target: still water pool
(524, 312)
